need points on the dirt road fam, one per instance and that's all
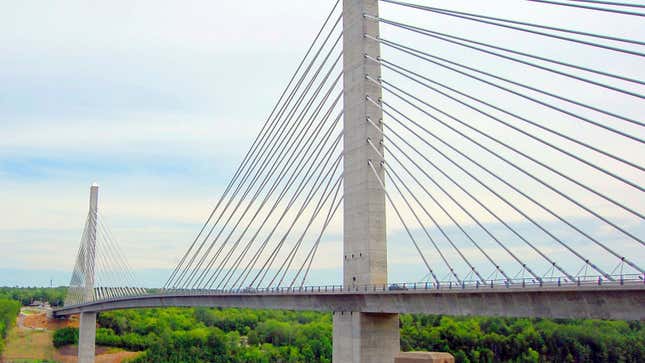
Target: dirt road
(31, 338)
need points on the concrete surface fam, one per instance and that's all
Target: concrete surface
(87, 338)
(362, 337)
(365, 337)
(87, 329)
(424, 357)
(620, 303)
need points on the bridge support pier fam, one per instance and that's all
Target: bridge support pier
(365, 337)
(87, 329)
(87, 338)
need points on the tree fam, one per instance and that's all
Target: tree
(65, 336)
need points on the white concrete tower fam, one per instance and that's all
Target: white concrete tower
(90, 243)
(87, 329)
(360, 337)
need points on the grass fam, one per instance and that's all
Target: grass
(35, 346)
(112, 350)
(29, 345)
(28, 311)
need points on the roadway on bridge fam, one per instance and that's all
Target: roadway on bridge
(625, 302)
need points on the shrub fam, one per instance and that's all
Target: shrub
(65, 336)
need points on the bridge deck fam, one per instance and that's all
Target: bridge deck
(625, 302)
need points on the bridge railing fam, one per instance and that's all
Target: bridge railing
(550, 282)
(589, 281)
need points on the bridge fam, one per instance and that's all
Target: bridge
(508, 155)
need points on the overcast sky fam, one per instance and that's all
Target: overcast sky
(157, 101)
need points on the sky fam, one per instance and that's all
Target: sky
(157, 101)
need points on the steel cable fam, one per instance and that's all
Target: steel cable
(445, 38)
(481, 19)
(270, 139)
(396, 210)
(272, 156)
(400, 70)
(287, 164)
(549, 186)
(615, 11)
(423, 55)
(511, 186)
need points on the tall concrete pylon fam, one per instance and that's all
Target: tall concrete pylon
(361, 337)
(87, 329)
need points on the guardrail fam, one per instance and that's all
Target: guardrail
(618, 280)
(404, 287)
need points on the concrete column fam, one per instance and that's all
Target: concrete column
(365, 253)
(362, 337)
(90, 247)
(87, 338)
(365, 337)
(87, 329)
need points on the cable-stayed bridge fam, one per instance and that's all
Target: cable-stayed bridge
(506, 155)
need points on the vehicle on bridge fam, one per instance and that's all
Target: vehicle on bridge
(395, 287)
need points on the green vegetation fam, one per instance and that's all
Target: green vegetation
(65, 336)
(9, 309)
(30, 345)
(240, 335)
(27, 295)
(212, 335)
(525, 340)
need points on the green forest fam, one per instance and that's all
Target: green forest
(9, 309)
(27, 295)
(11, 298)
(255, 336)
(238, 335)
